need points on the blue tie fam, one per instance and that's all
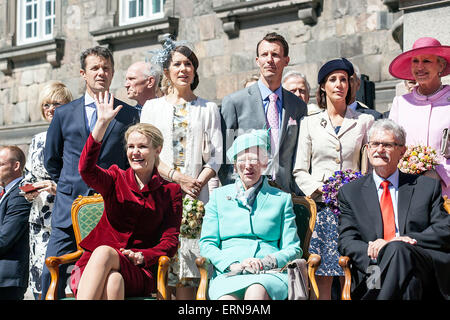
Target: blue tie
(93, 119)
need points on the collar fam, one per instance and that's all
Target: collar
(154, 183)
(11, 184)
(353, 105)
(266, 92)
(393, 179)
(445, 90)
(88, 99)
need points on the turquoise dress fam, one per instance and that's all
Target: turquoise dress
(232, 233)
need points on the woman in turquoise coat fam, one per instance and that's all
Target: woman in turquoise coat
(249, 228)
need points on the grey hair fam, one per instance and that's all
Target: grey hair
(389, 125)
(294, 73)
(443, 61)
(152, 70)
(357, 72)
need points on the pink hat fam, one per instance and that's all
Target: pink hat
(400, 67)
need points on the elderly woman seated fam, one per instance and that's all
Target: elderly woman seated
(249, 228)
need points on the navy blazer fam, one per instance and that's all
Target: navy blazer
(14, 235)
(420, 216)
(66, 137)
(243, 110)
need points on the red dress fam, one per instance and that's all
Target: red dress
(146, 220)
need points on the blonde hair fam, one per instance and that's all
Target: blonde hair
(148, 130)
(54, 91)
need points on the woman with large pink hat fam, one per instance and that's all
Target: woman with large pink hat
(425, 112)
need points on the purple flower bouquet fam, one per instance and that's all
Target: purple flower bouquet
(333, 184)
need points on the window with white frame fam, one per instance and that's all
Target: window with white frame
(35, 20)
(134, 11)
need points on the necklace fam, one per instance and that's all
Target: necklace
(429, 95)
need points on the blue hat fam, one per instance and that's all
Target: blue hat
(258, 138)
(332, 65)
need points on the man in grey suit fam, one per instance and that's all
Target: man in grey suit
(266, 105)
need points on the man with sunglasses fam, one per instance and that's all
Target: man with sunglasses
(394, 222)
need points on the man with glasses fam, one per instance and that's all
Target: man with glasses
(394, 222)
(14, 213)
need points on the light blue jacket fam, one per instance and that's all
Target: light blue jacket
(231, 233)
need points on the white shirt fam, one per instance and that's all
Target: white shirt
(393, 189)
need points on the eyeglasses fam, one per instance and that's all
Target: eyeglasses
(385, 145)
(51, 105)
(244, 161)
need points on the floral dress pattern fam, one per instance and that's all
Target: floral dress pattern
(183, 269)
(40, 213)
(324, 241)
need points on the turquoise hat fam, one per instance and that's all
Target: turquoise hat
(258, 138)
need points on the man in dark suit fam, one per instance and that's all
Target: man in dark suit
(265, 105)
(355, 84)
(14, 213)
(66, 136)
(393, 226)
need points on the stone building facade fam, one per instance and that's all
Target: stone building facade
(223, 34)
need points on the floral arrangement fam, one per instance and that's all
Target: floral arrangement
(418, 159)
(333, 184)
(191, 221)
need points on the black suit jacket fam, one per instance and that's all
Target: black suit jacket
(14, 244)
(377, 115)
(66, 137)
(243, 111)
(420, 216)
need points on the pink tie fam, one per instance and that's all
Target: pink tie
(272, 119)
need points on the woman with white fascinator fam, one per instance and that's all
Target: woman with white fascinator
(193, 150)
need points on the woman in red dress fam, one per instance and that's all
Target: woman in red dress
(141, 219)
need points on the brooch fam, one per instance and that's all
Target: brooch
(323, 122)
(228, 198)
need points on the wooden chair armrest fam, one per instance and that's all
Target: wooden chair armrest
(202, 265)
(53, 264)
(345, 263)
(163, 267)
(314, 261)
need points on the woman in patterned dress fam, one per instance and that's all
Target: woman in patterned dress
(329, 141)
(192, 152)
(52, 95)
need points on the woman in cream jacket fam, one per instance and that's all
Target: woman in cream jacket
(192, 149)
(329, 141)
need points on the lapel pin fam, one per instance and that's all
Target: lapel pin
(323, 122)
(228, 198)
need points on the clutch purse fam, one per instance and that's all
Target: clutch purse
(28, 188)
(298, 284)
(364, 160)
(206, 152)
(445, 146)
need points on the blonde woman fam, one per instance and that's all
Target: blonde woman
(193, 150)
(52, 95)
(141, 219)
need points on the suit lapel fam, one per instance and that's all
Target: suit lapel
(405, 192)
(349, 122)
(370, 197)
(284, 117)
(80, 114)
(256, 103)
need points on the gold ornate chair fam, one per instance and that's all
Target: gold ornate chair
(306, 211)
(86, 212)
(345, 263)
